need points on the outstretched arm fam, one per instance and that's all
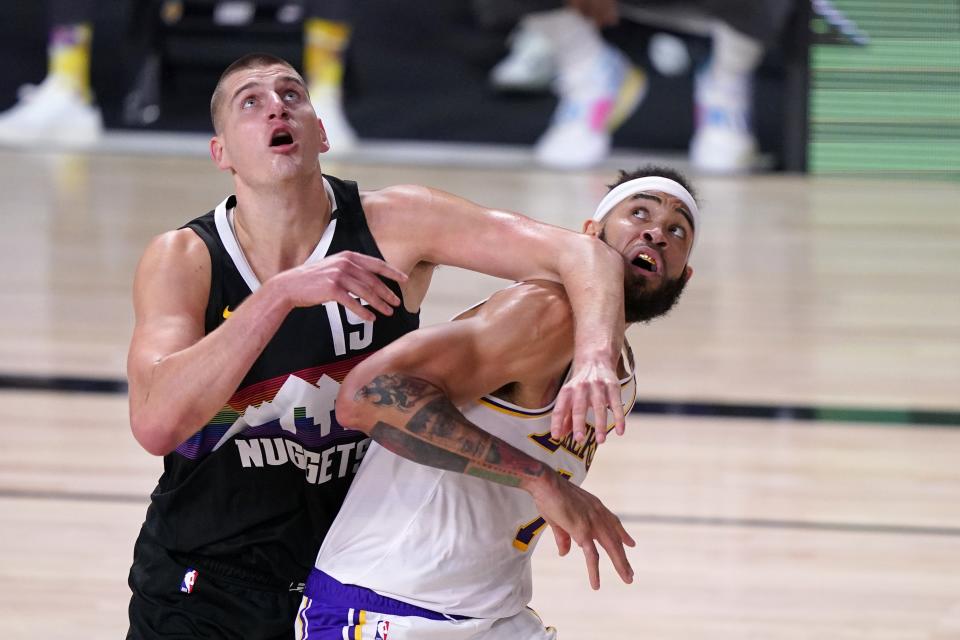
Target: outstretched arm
(405, 398)
(414, 419)
(415, 225)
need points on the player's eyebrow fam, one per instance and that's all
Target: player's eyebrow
(248, 85)
(291, 78)
(253, 83)
(658, 200)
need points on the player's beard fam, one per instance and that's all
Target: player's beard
(643, 305)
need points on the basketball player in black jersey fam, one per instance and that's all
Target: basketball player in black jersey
(247, 319)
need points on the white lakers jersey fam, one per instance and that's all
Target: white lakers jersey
(445, 541)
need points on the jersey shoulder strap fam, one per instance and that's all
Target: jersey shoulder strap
(351, 218)
(205, 226)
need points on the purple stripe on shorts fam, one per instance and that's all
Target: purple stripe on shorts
(323, 588)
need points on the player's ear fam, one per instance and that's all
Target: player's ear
(687, 273)
(324, 141)
(592, 228)
(218, 153)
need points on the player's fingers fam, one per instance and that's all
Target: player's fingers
(625, 537)
(578, 415)
(616, 406)
(379, 266)
(618, 556)
(566, 426)
(559, 421)
(598, 400)
(349, 302)
(593, 562)
(362, 289)
(562, 538)
(373, 283)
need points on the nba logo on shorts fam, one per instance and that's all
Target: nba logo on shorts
(189, 579)
(383, 626)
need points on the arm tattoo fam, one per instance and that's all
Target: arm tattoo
(407, 446)
(438, 435)
(392, 390)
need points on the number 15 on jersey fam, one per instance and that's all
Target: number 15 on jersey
(358, 339)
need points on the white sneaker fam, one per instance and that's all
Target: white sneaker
(51, 114)
(329, 106)
(723, 142)
(596, 97)
(529, 66)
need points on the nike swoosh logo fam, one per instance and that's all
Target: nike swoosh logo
(226, 312)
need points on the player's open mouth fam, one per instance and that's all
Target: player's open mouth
(646, 262)
(281, 138)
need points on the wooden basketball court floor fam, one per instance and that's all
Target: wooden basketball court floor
(795, 472)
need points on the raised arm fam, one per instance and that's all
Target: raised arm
(179, 378)
(416, 225)
(406, 395)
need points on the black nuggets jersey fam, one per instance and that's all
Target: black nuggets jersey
(258, 487)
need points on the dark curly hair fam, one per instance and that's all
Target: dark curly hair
(655, 170)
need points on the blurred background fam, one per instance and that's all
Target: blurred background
(847, 86)
(411, 71)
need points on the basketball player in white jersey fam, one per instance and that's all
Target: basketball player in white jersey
(428, 552)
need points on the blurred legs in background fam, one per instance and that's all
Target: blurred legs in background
(723, 140)
(598, 88)
(326, 35)
(61, 109)
(530, 64)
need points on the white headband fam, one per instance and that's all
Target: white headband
(650, 183)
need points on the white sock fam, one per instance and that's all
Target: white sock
(734, 58)
(575, 39)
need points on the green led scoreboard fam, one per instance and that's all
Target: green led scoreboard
(885, 88)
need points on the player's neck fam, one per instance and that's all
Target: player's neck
(279, 227)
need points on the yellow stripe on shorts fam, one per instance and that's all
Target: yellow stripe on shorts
(358, 630)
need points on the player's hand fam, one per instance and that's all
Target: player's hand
(593, 385)
(343, 277)
(604, 13)
(575, 513)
